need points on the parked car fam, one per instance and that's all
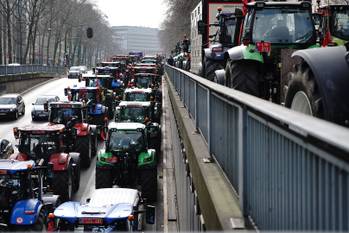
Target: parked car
(6, 149)
(75, 72)
(38, 110)
(11, 105)
(83, 69)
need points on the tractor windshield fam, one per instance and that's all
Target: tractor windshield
(124, 139)
(137, 96)
(133, 114)
(283, 26)
(63, 115)
(143, 81)
(38, 146)
(341, 24)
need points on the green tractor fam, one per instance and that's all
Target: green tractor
(127, 160)
(271, 32)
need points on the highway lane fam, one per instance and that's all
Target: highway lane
(87, 180)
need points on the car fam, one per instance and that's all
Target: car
(38, 109)
(6, 149)
(11, 105)
(74, 72)
(14, 64)
(83, 69)
(107, 210)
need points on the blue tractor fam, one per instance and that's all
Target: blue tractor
(23, 203)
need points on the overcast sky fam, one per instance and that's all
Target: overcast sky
(147, 13)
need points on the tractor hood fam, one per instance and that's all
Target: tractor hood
(118, 205)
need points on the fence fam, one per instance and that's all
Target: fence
(289, 170)
(27, 69)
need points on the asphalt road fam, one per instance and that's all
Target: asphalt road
(87, 180)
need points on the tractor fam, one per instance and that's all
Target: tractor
(136, 111)
(24, 203)
(334, 23)
(271, 32)
(127, 160)
(45, 144)
(94, 99)
(226, 36)
(79, 135)
(146, 80)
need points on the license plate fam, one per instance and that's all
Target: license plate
(95, 221)
(42, 115)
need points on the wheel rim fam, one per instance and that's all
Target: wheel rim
(301, 103)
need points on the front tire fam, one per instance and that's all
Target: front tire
(303, 94)
(210, 67)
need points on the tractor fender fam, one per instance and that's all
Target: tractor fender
(19, 157)
(60, 161)
(220, 74)
(25, 212)
(50, 201)
(217, 56)
(243, 52)
(82, 129)
(75, 156)
(330, 69)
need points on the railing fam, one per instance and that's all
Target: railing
(27, 69)
(290, 171)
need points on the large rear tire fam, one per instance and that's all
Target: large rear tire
(303, 93)
(83, 145)
(40, 224)
(149, 184)
(210, 67)
(62, 183)
(104, 178)
(243, 76)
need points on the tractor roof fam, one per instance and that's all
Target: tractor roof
(138, 90)
(96, 76)
(12, 166)
(66, 104)
(84, 88)
(42, 128)
(278, 3)
(126, 125)
(134, 104)
(146, 74)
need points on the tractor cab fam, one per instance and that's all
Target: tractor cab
(38, 142)
(146, 80)
(114, 69)
(21, 186)
(64, 112)
(334, 24)
(135, 111)
(138, 94)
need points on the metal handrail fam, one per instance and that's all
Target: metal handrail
(29, 69)
(291, 171)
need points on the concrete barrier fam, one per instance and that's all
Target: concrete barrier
(20, 83)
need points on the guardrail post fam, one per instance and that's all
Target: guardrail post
(196, 106)
(242, 115)
(209, 120)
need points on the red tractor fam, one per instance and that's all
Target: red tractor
(44, 144)
(79, 135)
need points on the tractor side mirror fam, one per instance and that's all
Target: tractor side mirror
(201, 27)
(150, 214)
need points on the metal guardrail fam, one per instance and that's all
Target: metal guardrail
(27, 69)
(290, 171)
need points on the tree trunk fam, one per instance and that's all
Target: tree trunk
(1, 53)
(9, 37)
